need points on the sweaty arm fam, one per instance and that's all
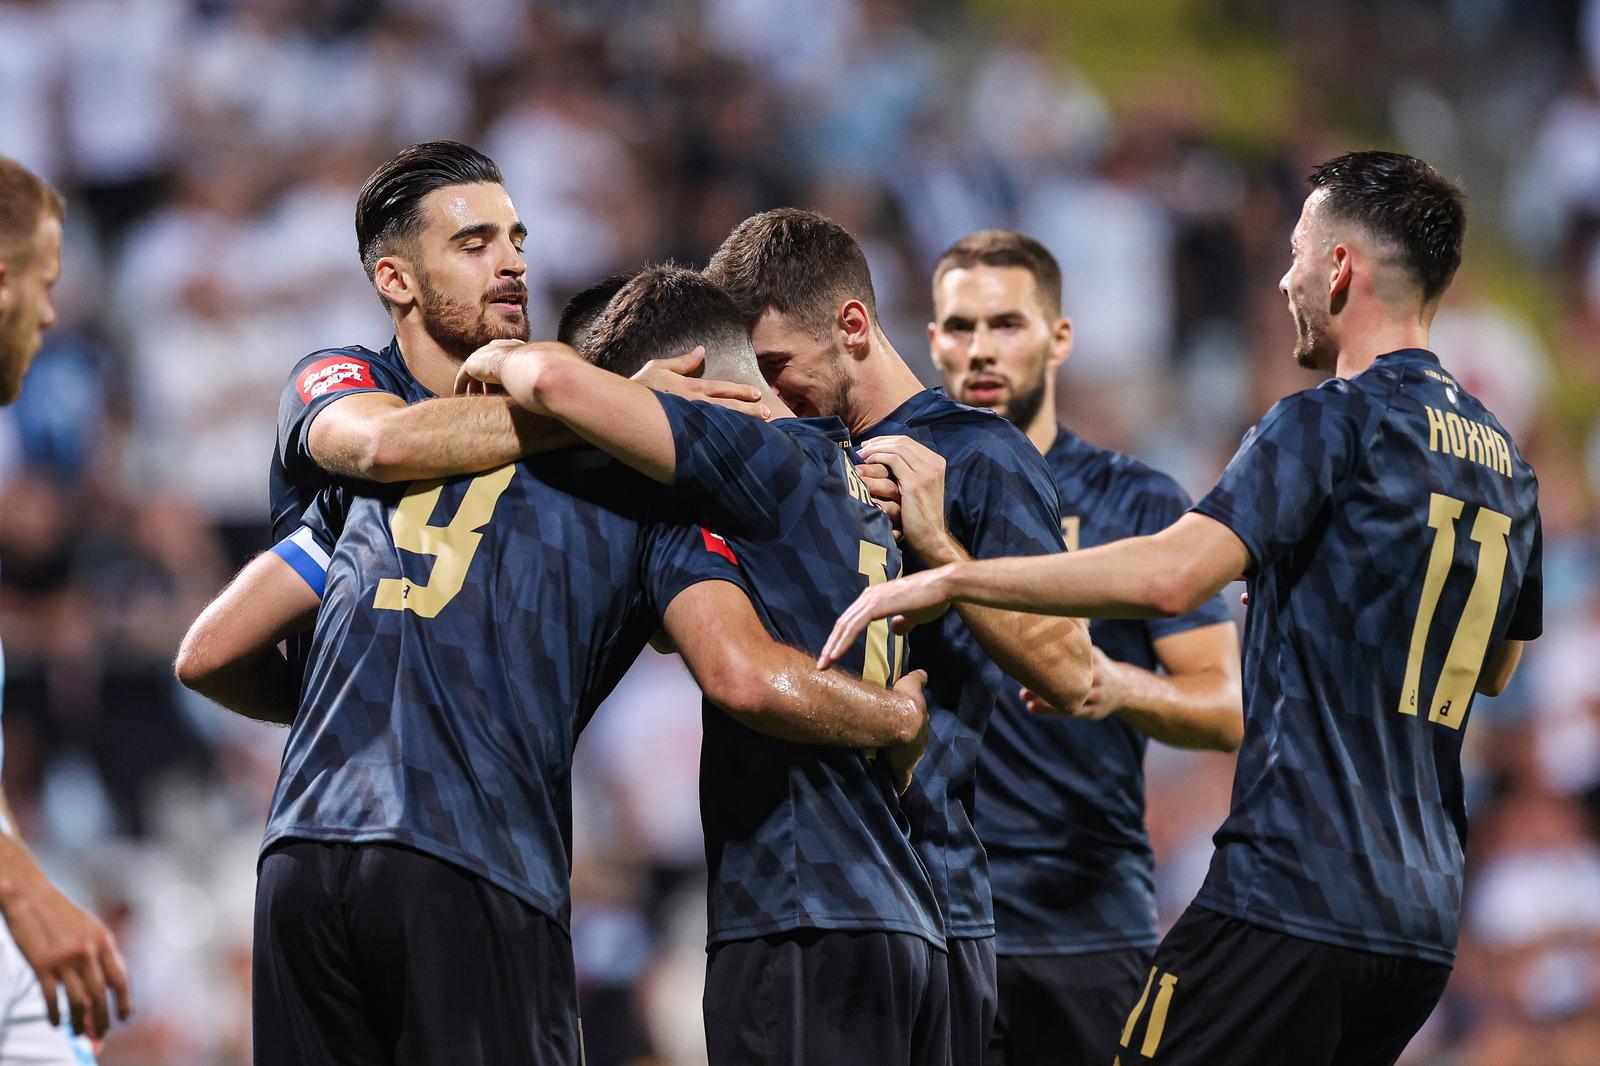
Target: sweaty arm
(1196, 703)
(1500, 668)
(230, 654)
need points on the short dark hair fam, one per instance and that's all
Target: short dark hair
(661, 312)
(1403, 200)
(24, 199)
(585, 306)
(1006, 248)
(389, 209)
(795, 262)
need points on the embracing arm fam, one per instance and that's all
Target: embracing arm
(377, 436)
(230, 654)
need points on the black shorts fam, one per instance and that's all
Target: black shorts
(1064, 1010)
(845, 998)
(373, 953)
(973, 997)
(1223, 990)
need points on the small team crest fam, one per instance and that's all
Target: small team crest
(334, 374)
(715, 543)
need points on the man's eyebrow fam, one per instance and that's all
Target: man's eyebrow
(477, 229)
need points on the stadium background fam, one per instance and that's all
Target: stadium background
(211, 151)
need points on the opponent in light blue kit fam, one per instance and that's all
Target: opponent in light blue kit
(50, 949)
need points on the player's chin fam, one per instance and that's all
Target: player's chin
(507, 324)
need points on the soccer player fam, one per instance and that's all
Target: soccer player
(803, 287)
(1389, 531)
(1060, 803)
(826, 943)
(48, 945)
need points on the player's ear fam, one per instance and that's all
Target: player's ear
(1339, 274)
(855, 325)
(1060, 341)
(394, 280)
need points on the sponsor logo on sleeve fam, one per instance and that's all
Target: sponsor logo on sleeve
(715, 543)
(333, 374)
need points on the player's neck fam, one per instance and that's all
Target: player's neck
(883, 382)
(1043, 431)
(1359, 352)
(427, 360)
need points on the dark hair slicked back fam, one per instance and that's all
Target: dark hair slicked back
(661, 312)
(795, 262)
(585, 306)
(1404, 201)
(1006, 248)
(389, 209)
(24, 198)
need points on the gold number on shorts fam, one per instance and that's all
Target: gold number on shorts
(1069, 531)
(452, 545)
(1464, 661)
(1158, 1013)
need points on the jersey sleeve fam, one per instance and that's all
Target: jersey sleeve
(737, 471)
(1002, 500)
(1156, 502)
(309, 548)
(1527, 618)
(679, 555)
(1285, 472)
(318, 380)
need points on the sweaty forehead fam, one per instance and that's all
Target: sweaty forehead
(456, 207)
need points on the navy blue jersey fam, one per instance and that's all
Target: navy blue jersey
(1060, 800)
(319, 379)
(1393, 532)
(797, 836)
(468, 630)
(1000, 500)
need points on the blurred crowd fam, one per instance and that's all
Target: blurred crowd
(211, 150)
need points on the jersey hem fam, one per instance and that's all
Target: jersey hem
(1375, 944)
(458, 859)
(795, 925)
(1004, 946)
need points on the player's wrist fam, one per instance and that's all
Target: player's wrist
(939, 548)
(21, 880)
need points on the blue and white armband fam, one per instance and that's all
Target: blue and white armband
(307, 556)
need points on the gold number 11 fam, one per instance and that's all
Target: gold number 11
(1464, 661)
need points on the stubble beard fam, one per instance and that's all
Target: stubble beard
(19, 343)
(461, 328)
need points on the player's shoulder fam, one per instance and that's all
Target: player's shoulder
(960, 431)
(332, 369)
(1117, 480)
(1337, 403)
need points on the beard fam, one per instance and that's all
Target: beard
(1023, 406)
(461, 328)
(19, 343)
(1314, 348)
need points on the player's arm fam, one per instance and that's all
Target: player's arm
(1196, 703)
(377, 436)
(230, 654)
(619, 416)
(1166, 573)
(1049, 655)
(777, 690)
(1500, 668)
(65, 946)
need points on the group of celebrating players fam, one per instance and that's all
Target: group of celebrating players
(922, 773)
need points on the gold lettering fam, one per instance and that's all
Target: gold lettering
(1503, 456)
(1457, 435)
(1475, 449)
(1436, 431)
(1138, 1008)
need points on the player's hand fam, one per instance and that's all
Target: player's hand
(919, 473)
(903, 758)
(679, 377)
(885, 491)
(483, 367)
(1107, 694)
(69, 948)
(909, 601)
